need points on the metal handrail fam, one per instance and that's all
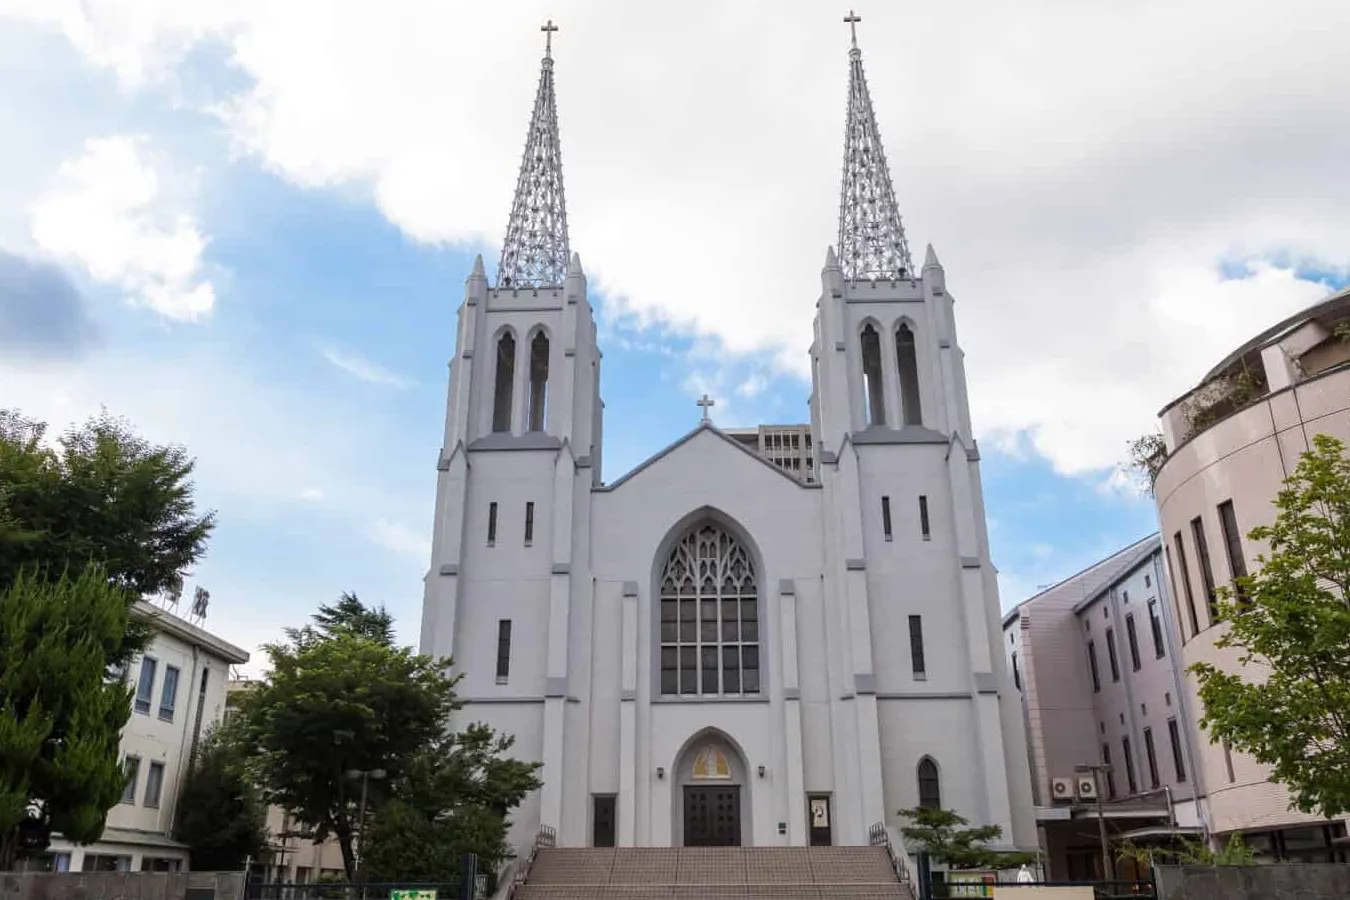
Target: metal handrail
(547, 836)
(880, 836)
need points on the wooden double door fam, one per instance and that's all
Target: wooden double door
(712, 815)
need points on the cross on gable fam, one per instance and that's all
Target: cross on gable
(548, 28)
(853, 19)
(705, 404)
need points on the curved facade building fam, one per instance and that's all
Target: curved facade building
(1230, 442)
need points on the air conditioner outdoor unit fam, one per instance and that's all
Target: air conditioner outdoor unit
(1087, 788)
(1061, 789)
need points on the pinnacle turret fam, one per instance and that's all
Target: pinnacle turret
(535, 251)
(871, 236)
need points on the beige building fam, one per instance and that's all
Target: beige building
(1094, 658)
(1230, 442)
(786, 446)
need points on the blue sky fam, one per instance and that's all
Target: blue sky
(266, 236)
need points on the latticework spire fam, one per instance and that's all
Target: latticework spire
(871, 237)
(535, 252)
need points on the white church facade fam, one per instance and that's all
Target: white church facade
(713, 650)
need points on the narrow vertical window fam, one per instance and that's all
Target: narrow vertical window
(1206, 570)
(1174, 738)
(504, 384)
(874, 398)
(1232, 542)
(930, 786)
(1151, 754)
(1132, 638)
(154, 785)
(492, 523)
(145, 687)
(1110, 772)
(1129, 764)
(1092, 668)
(907, 362)
(131, 769)
(916, 643)
(1186, 583)
(529, 523)
(538, 382)
(168, 697)
(503, 649)
(1111, 654)
(886, 517)
(923, 517)
(1155, 626)
(1017, 674)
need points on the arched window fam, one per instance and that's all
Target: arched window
(709, 616)
(930, 792)
(873, 398)
(907, 361)
(538, 381)
(506, 376)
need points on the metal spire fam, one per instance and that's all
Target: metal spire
(871, 237)
(535, 252)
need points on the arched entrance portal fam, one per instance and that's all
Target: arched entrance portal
(711, 802)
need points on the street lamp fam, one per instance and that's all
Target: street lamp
(1108, 864)
(365, 775)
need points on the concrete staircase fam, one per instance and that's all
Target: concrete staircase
(713, 873)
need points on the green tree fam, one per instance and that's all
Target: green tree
(1147, 453)
(947, 838)
(455, 798)
(100, 494)
(1288, 705)
(221, 814)
(61, 708)
(348, 616)
(336, 704)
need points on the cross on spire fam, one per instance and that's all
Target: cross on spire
(705, 404)
(853, 19)
(548, 28)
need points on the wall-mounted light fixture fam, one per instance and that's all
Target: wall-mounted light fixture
(761, 771)
(660, 772)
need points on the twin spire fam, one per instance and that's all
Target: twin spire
(872, 242)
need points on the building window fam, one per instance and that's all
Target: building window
(916, 644)
(1206, 570)
(930, 788)
(1151, 754)
(131, 768)
(1132, 638)
(1092, 667)
(1178, 761)
(1186, 583)
(103, 862)
(1111, 654)
(145, 687)
(504, 383)
(873, 397)
(503, 649)
(529, 523)
(168, 696)
(154, 784)
(492, 523)
(1017, 674)
(1155, 626)
(538, 381)
(709, 616)
(923, 517)
(1148, 580)
(1110, 771)
(1129, 764)
(907, 361)
(1232, 542)
(886, 517)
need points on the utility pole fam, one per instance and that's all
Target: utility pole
(1108, 864)
(365, 775)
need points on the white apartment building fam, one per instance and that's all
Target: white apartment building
(180, 694)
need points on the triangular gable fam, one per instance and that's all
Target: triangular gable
(713, 429)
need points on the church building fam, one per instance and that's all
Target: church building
(720, 647)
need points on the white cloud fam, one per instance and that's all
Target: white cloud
(1081, 168)
(361, 368)
(108, 211)
(410, 542)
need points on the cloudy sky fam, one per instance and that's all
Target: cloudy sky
(245, 226)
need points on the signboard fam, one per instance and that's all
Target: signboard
(411, 894)
(970, 883)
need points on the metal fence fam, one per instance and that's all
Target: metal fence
(1101, 890)
(373, 890)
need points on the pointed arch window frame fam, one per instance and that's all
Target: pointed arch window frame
(537, 392)
(928, 776)
(504, 380)
(872, 373)
(909, 379)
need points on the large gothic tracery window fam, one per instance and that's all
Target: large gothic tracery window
(709, 616)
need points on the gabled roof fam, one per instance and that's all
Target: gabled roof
(1129, 562)
(1107, 572)
(730, 441)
